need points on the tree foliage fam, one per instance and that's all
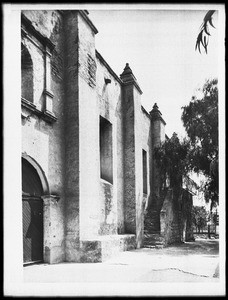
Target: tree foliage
(198, 153)
(215, 218)
(199, 217)
(171, 159)
(200, 119)
(203, 36)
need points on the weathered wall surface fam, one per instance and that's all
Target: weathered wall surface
(44, 21)
(89, 208)
(133, 177)
(88, 133)
(43, 141)
(108, 212)
(146, 145)
(71, 138)
(129, 162)
(138, 169)
(158, 136)
(110, 108)
(82, 132)
(155, 199)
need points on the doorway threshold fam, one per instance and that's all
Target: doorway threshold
(29, 263)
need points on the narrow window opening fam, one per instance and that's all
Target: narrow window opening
(106, 153)
(26, 74)
(144, 158)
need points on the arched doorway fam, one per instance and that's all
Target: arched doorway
(32, 190)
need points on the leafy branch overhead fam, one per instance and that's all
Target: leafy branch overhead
(199, 152)
(171, 158)
(203, 36)
(200, 119)
(199, 217)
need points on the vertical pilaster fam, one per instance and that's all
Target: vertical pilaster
(50, 209)
(82, 134)
(157, 137)
(71, 137)
(158, 126)
(133, 187)
(89, 154)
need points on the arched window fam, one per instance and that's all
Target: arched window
(26, 74)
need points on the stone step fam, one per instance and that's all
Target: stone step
(153, 246)
(104, 247)
(151, 232)
(153, 240)
(149, 246)
(149, 242)
(152, 221)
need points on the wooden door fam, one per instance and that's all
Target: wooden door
(32, 214)
(32, 229)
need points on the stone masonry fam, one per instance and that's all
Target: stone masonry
(87, 136)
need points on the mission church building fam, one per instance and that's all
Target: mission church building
(88, 174)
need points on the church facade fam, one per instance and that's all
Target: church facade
(88, 173)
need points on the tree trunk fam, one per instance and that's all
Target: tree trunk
(209, 231)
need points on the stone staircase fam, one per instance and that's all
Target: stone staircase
(153, 240)
(152, 221)
(152, 236)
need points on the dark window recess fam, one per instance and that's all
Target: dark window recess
(106, 153)
(92, 67)
(26, 74)
(144, 158)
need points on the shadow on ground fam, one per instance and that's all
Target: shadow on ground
(187, 262)
(199, 246)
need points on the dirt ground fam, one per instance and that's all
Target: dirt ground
(184, 264)
(202, 246)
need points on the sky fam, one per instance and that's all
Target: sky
(159, 46)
